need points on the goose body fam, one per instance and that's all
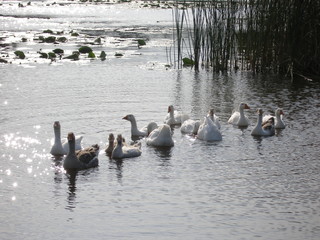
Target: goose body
(175, 118)
(279, 123)
(265, 129)
(125, 151)
(82, 159)
(208, 131)
(161, 137)
(190, 126)
(239, 118)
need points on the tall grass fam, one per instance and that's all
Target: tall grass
(256, 35)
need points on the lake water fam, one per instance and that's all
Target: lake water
(240, 188)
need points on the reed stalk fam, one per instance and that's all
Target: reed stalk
(256, 35)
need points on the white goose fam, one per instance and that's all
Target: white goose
(57, 149)
(135, 132)
(175, 118)
(279, 124)
(190, 126)
(239, 118)
(214, 118)
(61, 147)
(266, 129)
(208, 131)
(161, 137)
(128, 151)
(82, 159)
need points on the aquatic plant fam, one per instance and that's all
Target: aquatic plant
(74, 34)
(187, 61)
(91, 55)
(62, 39)
(20, 54)
(98, 40)
(58, 51)
(85, 49)
(50, 39)
(48, 31)
(43, 54)
(256, 35)
(52, 55)
(103, 55)
(141, 42)
(74, 56)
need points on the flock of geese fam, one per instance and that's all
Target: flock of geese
(156, 135)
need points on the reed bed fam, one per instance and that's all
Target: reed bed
(256, 35)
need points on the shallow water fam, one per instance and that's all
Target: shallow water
(240, 188)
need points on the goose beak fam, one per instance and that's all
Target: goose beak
(246, 106)
(126, 117)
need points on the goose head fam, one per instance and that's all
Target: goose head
(170, 109)
(119, 140)
(243, 106)
(72, 142)
(57, 130)
(129, 117)
(111, 138)
(211, 112)
(259, 111)
(71, 137)
(279, 112)
(56, 125)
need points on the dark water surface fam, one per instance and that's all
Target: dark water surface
(240, 188)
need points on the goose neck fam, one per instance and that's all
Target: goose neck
(57, 134)
(72, 147)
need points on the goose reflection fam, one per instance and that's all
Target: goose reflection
(164, 153)
(118, 163)
(72, 176)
